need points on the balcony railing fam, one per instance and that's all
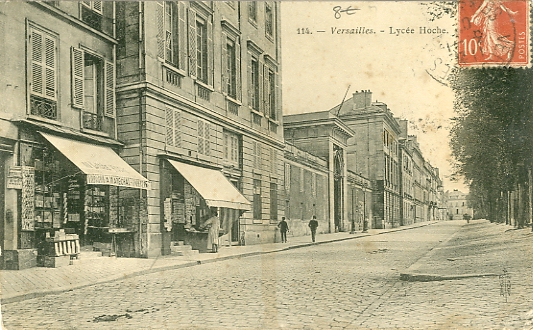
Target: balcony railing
(92, 121)
(43, 107)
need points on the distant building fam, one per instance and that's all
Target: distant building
(457, 203)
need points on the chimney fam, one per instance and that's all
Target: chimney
(362, 99)
(403, 127)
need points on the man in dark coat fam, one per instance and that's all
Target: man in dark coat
(313, 224)
(283, 228)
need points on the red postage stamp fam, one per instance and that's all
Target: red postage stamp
(493, 33)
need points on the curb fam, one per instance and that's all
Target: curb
(413, 277)
(42, 293)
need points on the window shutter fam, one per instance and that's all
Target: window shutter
(250, 84)
(287, 177)
(226, 146)
(50, 67)
(182, 37)
(175, 34)
(97, 6)
(225, 64)
(260, 164)
(261, 87)
(177, 126)
(192, 43)
(207, 138)
(109, 89)
(266, 91)
(77, 77)
(210, 51)
(169, 120)
(200, 134)
(275, 97)
(238, 83)
(160, 20)
(37, 68)
(254, 153)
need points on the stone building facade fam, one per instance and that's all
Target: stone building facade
(58, 133)
(198, 84)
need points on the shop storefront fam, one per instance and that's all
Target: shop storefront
(190, 195)
(76, 196)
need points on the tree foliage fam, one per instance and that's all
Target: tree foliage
(491, 137)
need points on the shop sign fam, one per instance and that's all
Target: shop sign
(28, 198)
(103, 179)
(167, 211)
(14, 177)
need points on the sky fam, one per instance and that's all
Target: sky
(401, 69)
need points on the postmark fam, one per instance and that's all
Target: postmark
(493, 33)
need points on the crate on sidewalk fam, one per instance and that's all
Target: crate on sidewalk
(55, 262)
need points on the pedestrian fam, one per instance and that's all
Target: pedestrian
(313, 224)
(213, 225)
(283, 228)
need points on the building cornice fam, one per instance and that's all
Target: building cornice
(170, 97)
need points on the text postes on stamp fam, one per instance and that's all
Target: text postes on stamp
(493, 33)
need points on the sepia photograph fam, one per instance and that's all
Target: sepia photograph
(266, 165)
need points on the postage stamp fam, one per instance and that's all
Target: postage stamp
(494, 33)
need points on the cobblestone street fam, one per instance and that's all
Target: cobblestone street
(345, 285)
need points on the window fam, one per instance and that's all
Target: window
(173, 125)
(313, 184)
(231, 69)
(254, 83)
(42, 71)
(200, 45)
(93, 88)
(232, 148)
(273, 201)
(171, 33)
(257, 199)
(269, 20)
(270, 89)
(204, 138)
(91, 13)
(201, 51)
(252, 11)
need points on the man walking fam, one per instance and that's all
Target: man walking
(283, 228)
(313, 224)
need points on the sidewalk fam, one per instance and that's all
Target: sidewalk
(17, 285)
(480, 249)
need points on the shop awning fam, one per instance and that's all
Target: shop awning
(101, 164)
(213, 186)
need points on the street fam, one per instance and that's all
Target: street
(352, 284)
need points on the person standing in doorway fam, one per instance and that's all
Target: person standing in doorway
(283, 228)
(212, 233)
(313, 224)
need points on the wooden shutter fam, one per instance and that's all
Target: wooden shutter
(160, 21)
(266, 91)
(192, 43)
(175, 34)
(275, 97)
(225, 65)
(50, 67)
(182, 37)
(207, 138)
(97, 6)
(250, 84)
(200, 134)
(261, 87)
(177, 126)
(226, 145)
(77, 57)
(37, 68)
(210, 51)
(109, 89)
(254, 152)
(169, 126)
(238, 83)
